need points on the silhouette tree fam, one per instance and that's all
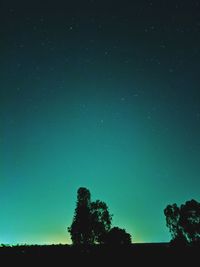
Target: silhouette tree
(190, 220)
(118, 236)
(80, 229)
(91, 220)
(172, 213)
(184, 222)
(101, 221)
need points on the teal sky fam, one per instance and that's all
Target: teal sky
(108, 100)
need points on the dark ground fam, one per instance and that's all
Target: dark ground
(156, 254)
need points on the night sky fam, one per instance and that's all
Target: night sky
(100, 94)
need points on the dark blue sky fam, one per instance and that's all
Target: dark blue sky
(101, 94)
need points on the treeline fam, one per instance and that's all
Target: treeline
(92, 222)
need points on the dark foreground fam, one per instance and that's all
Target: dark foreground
(158, 254)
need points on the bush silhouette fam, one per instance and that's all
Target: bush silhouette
(118, 236)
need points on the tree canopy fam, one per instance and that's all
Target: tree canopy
(101, 220)
(184, 221)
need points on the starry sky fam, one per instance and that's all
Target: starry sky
(100, 94)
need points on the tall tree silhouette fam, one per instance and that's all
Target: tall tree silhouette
(184, 221)
(80, 229)
(91, 220)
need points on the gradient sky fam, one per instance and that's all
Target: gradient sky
(100, 94)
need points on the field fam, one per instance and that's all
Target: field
(153, 254)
